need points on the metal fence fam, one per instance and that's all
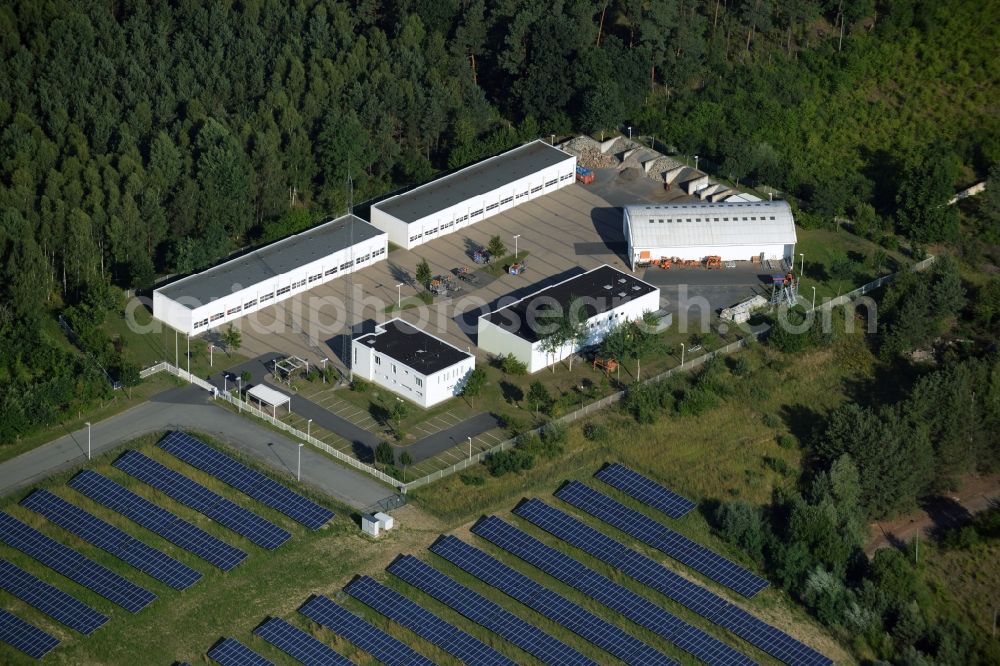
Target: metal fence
(475, 459)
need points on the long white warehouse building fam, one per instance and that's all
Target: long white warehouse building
(473, 193)
(271, 274)
(606, 295)
(733, 231)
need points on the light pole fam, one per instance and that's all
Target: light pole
(309, 424)
(323, 361)
(399, 296)
(802, 264)
(553, 140)
(630, 133)
(225, 382)
(211, 363)
(695, 162)
(298, 468)
(88, 440)
(189, 355)
(240, 392)
(682, 353)
(814, 298)
(470, 448)
(516, 236)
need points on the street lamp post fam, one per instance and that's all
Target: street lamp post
(211, 363)
(802, 264)
(399, 296)
(516, 236)
(88, 440)
(240, 392)
(298, 467)
(189, 355)
(814, 298)
(323, 361)
(309, 424)
(630, 133)
(695, 162)
(682, 353)
(470, 448)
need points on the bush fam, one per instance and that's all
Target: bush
(512, 366)
(384, 453)
(740, 366)
(778, 465)
(787, 441)
(595, 432)
(741, 524)
(513, 424)
(472, 479)
(696, 401)
(359, 386)
(515, 460)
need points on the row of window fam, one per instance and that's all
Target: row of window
(552, 182)
(504, 202)
(706, 219)
(566, 176)
(492, 206)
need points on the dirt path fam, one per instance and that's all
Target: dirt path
(974, 494)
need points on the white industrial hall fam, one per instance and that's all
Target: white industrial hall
(607, 296)
(255, 280)
(732, 231)
(474, 193)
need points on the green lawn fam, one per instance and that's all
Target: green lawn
(822, 248)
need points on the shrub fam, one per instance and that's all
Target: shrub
(696, 401)
(503, 462)
(770, 420)
(741, 524)
(787, 441)
(472, 479)
(510, 365)
(595, 432)
(778, 465)
(384, 453)
(513, 424)
(359, 386)
(741, 366)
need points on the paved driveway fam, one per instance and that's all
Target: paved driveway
(190, 408)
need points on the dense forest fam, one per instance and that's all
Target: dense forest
(141, 139)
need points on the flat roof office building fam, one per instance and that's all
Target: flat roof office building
(474, 193)
(607, 296)
(410, 363)
(263, 277)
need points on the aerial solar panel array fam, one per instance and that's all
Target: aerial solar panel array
(369, 638)
(657, 577)
(645, 490)
(230, 652)
(50, 600)
(616, 597)
(555, 607)
(26, 637)
(640, 526)
(298, 644)
(196, 496)
(425, 624)
(485, 613)
(93, 530)
(73, 565)
(259, 486)
(156, 519)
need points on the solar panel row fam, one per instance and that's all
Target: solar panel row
(645, 490)
(73, 565)
(425, 624)
(157, 519)
(557, 608)
(230, 652)
(485, 613)
(93, 530)
(372, 640)
(201, 499)
(627, 603)
(50, 600)
(654, 575)
(249, 481)
(298, 644)
(27, 638)
(652, 533)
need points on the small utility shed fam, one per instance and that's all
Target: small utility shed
(265, 395)
(607, 295)
(474, 193)
(410, 363)
(273, 273)
(733, 231)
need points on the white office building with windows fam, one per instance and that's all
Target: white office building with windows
(412, 364)
(607, 296)
(474, 193)
(263, 277)
(733, 231)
